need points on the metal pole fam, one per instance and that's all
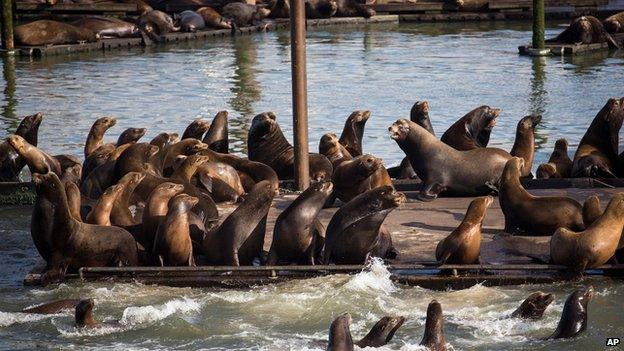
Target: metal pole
(299, 92)
(7, 25)
(538, 24)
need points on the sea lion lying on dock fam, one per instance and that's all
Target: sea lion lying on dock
(47, 32)
(11, 163)
(559, 164)
(244, 15)
(615, 23)
(190, 21)
(108, 27)
(585, 30)
(213, 19)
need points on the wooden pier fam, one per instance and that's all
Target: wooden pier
(559, 49)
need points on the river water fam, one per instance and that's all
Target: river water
(384, 68)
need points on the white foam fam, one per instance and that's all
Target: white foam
(147, 314)
(9, 318)
(374, 278)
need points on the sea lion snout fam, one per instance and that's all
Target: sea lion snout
(399, 129)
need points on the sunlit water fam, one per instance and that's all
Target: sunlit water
(384, 68)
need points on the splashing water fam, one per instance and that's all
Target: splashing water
(147, 314)
(374, 278)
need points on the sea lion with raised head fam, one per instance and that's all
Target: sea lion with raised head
(358, 175)
(95, 138)
(196, 129)
(184, 147)
(100, 213)
(472, 131)
(217, 135)
(533, 306)
(524, 145)
(172, 244)
(37, 160)
(191, 21)
(156, 208)
(330, 147)
(130, 135)
(585, 30)
(434, 328)
(47, 32)
(574, 316)
(120, 213)
(559, 164)
(382, 332)
(353, 131)
(11, 163)
(340, 338)
(213, 19)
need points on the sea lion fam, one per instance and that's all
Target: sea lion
(382, 332)
(443, 168)
(358, 175)
(157, 22)
(67, 161)
(155, 210)
(266, 143)
(574, 316)
(294, 237)
(172, 244)
(434, 328)
(614, 24)
(471, 5)
(213, 19)
(330, 147)
(559, 164)
(108, 27)
(592, 210)
(184, 147)
(73, 200)
(597, 153)
(120, 214)
(104, 175)
(353, 231)
(217, 136)
(533, 306)
(221, 180)
(320, 8)
(353, 132)
(11, 163)
(595, 245)
(52, 307)
(239, 239)
(534, 215)
(340, 334)
(419, 114)
(97, 158)
(37, 160)
(133, 158)
(130, 135)
(585, 30)
(100, 214)
(524, 145)
(472, 131)
(351, 8)
(243, 15)
(463, 245)
(84, 314)
(279, 9)
(196, 129)
(163, 140)
(95, 138)
(47, 32)
(190, 21)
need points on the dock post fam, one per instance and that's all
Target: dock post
(537, 46)
(7, 26)
(299, 92)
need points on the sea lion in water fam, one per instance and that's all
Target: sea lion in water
(585, 30)
(294, 237)
(130, 135)
(559, 164)
(172, 244)
(340, 334)
(156, 209)
(100, 214)
(443, 168)
(190, 21)
(614, 24)
(266, 143)
(196, 129)
(358, 175)
(52, 307)
(213, 19)
(217, 136)
(597, 153)
(11, 163)
(38, 161)
(534, 215)
(533, 306)
(595, 245)
(330, 147)
(382, 332)
(574, 316)
(243, 15)
(353, 231)
(239, 239)
(120, 213)
(524, 145)
(472, 131)
(463, 245)
(95, 138)
(84, 314)
(353, 132)
(434, 328)
(320, 8)
(47, 32)
(108, 27)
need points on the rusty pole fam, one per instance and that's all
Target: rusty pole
(299, 92)
(7, 25)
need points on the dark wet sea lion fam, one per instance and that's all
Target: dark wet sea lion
(73, 200)
(95, 138)
(120, 213)
(196, 129)
(472, 131)
(533, 306)
(614, 24)
(443, 168)
(130, 135)
(534, 215)
(157, 22)
(190, 21)
(46, 32)
(353, 132)
(221, 180)
(419, 114)
(213, 19)
(11, 163)
(471, 5)
(524, 145)
(320, 8)
(353, 232)
(133, 158)
(97, 158)
(559, 164)
(279, 9)
(434, 328)
(217, 136)
(164, 139)
(463, 245)
(104, 175)
(597, 153)
(351, 8)
(266, 143)
(382, 332)
(340, 334)
(330, 147)
(243, 15)
(184, 147)
(585, 30)
(108, 27)
(100, 213)
(84, 314)
(354, 177)
(574, 316)
(156, 209)
(239, 239)
(67, 161)
(294, 237)
(37, 160)
(172, 244)
(595, 245)
(52, 307)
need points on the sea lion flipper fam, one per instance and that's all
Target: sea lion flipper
(430, 192)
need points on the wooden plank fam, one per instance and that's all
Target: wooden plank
(412, 7)
(98, 7)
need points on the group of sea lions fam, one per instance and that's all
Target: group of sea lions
(590, 30)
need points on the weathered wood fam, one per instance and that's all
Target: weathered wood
(7, 25)
(82, 8)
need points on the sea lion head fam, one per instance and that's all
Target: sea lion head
(359, 116)
(84, 313)
(131, 135)
(480, 204)
(132, 179)
(104, 123)
(340, 333)
(434, 327)
(584, 23)
(329, 145)
(194, 161)
(263, 125)
(30, 122)
(614, 116)
(367, 164)
(528, 123)
(112, 191)
(616, 205)
(164, 139)
(168, 189)
(533, 306)
(183, 202)
(400, 129)
(420, 112)
(513, 168)
(489, 116)
(594, 166)
(383, 331)
(385, 198)
(574, 315)
(561, 147)
(48, 184)
(261, 13)
(323, 189)
(546, 171)
(197, 128)
(192, 146)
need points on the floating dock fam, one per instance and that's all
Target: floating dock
(559, 49)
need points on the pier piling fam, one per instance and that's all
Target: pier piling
(7, 25)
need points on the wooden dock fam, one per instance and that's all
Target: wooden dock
(558, 49)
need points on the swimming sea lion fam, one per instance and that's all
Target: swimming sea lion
(243, 15)
(353, 231)
(37, 160)
(351, 8)
(559, 164)
(47, 32)
(597, 153)
(213, 19)
(156, 209)
(330, 147)
(614, 24)
(443, 168)
(217, 136)
(294, 237)
(108, 27)
(172, 244)
(533, 306)
(434, 328)
(95, 138)
(472, 131)
(353, 132)
(11, 163)
(340, 334)
(585, 30)
(463, 245)
(190, 21)
(524, 145)
(196, 129)
(120, 213)
(320, 8)
(534, 215)
(130, 135)
(382, 332)
(52, 307)
(595, 245)
(100, 213)
(84, 314)
(574, 316)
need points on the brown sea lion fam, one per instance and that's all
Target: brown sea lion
(97, 158)
(279, 9)
(358, 175)
(184, 147)
(614, 24)
(130, 135)
(472, 131)
(353, 232)
(592, 210)
(597, 153)
(108, 27)
(574, 315)
(155, 210)
(533, 306)
(157, 22)
(353, 132)
(266, 143)
(84, 314)
(52, 307)
(47, 32)
(37, 160)
(217, 136)
(172, 244)
(340, 334)
(443, 168)
(294, 237)
(133, 158)
(351, 8)
(11, 163)
(320, 8)
(382, 332)
(595, 245)
(190, 21)
(196, 129)
(332, 149)
(463, 245)
(243, 15)
(524, 145)
(240, 238)
(67, 161)
(534, 215)
(73, 200)
(434, 328)
(95, 138)
(419, 114)
(585, 30)
(471, 5)
(100, 214)
(221, 180)
(163, 140)
(213, 19)
(559, 164)
(120, 213)
(103, 175)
